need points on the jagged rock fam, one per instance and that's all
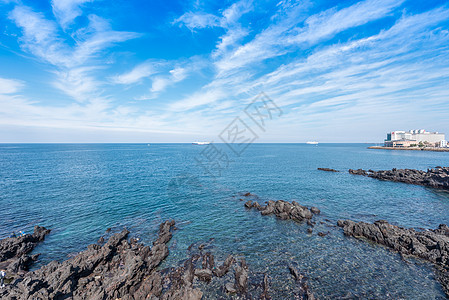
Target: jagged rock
(357, 172)
(204, 274)
(230, 288)
(223, 269)
(14, 251)
(241, 277)
(431, 245)
(266, 289)
(118, 269)
(303, 291)
(284, 210)
(328, 170)
(315, 210)
(434, 178)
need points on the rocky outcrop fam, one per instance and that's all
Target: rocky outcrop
(118, 269)
(431, 245)
(328, 170)
(126, 269)
(284, 209)
(435, 178)
(14, 251)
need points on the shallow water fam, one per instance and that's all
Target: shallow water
(80, 190)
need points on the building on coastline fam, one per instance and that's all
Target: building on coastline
(415, 138)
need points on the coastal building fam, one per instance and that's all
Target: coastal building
(415, 138)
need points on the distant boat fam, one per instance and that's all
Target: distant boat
(148, 145)
(312, 143)
(200, 143)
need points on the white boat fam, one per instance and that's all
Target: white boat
(200, 143)
(312, 143)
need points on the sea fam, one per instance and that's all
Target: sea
(80, 190)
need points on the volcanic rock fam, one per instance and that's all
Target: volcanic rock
(434, 178)
(431, 245)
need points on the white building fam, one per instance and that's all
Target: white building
(433, 139)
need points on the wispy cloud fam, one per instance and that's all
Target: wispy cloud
(289, 33)
(197, 20)
(67, 10)
(73, 64)
(139, 72)
(10, 86)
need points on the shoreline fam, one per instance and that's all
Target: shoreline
(434, 149)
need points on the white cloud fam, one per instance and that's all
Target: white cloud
(330, 22)
(139, 72)
(197, 20)
(66, 11)
(162, 82)
(283, 37)
(10, 86)
(228, 20)
(74, 65)
(40, 37)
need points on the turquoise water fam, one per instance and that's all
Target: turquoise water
(80, 190)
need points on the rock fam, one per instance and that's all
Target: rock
(303, 291)
(241, 277)
(14, 251)
(284, 210)
(431, 245)
(204, 274)
(266, 289)
(223, 269)
(230, 288)
(309, 230)
(322, 234)
(357, 172)
(327, 170)
(434, 178)
(118, 269)
(315, 210)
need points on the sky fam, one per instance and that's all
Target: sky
(182, 71)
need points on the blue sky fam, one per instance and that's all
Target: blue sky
(181, 71)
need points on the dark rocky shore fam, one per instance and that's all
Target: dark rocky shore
(14, 251)
(431, 245)
(123, 268)
(435, 178)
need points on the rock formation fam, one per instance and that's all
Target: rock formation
(431, 245)
(328, 170)
(436, 178)
(284, 209)
(302, 292)
(118, 269)
(126, 269)
(14, 251)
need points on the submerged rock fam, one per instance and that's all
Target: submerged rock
(431, 245)
(303, 291)
(434, 178)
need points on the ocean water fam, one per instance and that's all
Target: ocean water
(80, 190)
